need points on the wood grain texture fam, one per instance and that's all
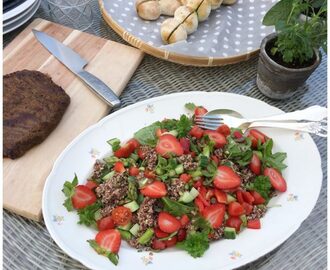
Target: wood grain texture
(114, 63)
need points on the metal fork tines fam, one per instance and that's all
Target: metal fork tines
(209, 121)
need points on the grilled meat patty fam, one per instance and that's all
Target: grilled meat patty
(33, 105)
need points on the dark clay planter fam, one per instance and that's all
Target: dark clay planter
(279, 82)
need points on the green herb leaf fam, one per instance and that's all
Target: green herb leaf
(114, 258)
(68, 190)
(87, 214)
(262, 185)
(114, 143)
(239, 152)
(279, 12)
(176, 208)
(147, 135)
(190, 106)
(195, 244)
(184, 125)
(272, 160)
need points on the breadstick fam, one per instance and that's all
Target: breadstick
(229, 2)
(172, 31)
(151, 9)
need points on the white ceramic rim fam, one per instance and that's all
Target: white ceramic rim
(17, 10)
(236, 264)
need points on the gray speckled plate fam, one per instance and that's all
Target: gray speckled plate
(231, 33)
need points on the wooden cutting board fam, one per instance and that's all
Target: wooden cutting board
(114, 63)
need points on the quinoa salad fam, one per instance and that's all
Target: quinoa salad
(177, 185)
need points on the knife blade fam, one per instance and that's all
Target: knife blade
(74, 62)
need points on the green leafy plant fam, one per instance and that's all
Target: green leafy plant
(297, 38)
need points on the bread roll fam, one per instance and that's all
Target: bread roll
(202, 7)
(216, 4)
(229, 2)
(172, 31)
(148, 9)
(168, 7)
(188, 17)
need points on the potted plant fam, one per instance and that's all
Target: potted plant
(291, 54)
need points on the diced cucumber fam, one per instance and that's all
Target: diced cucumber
(142, 169)
(230, 198)
(146, 237)
(143, 182)
(108, 176)
(244, 220)
(172, 173)
(206, 151)
(229, 233)
(97, 215)
(189, 196)
(179, 169)
(126, 235)
(196, 174)
(111, 160)
(134, 156)
(125, 227)
(135, 229)
(159, 171)
(133, 206)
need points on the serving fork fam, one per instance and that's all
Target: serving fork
(311, 120)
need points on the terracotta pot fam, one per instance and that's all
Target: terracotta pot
(279, 82)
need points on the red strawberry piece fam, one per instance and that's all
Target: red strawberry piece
(181, 235)
(125, 151)
(82, 197)
(254, 224)
(185, 177)
(209, 194)
(156, 189)
(224, 130)
(248, 197)
(234, 222)
(105, 223)
(276, 179)
(184, 220)
(248, 208)
(119, 167)
(239, 196)
(168, 223)
(159, 132)
(198, 183)
(226, 178)
(258, 199)
(160, 234)
(214, 214)
(133, 171)
(199, 204)
(150, 174)
(109, 240)
(196, 132)
(185, 143)
(255, 136)
(141, 153)
(237, 134)
(91, 184)
(215, 159)
(134, 142)
(169, 145)
(171, 242)
(255, 164)
(121, 215)
(199, 111)
(158, 244)
(216, 137)
(235, 209)
(221, 196)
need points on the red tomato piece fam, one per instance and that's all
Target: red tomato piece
(226, 178)
(254, 224)
(156, 189)
(214, 214)
(219, 139)
(276, 179)
(82, 197)
(235, 209)
(109, 240)
(169, 145)
(105, 223)
(168, 223)
(121, 215)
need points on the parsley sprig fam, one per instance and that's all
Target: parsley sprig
(68, 190)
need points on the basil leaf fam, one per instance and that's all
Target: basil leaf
(147, 135)
(176, 208)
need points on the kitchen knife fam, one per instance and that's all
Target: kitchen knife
(76, 64)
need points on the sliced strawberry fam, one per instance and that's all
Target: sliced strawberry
(171, 242)
(168, 223)
(134, 143)
(224, 130)
(141, 153)
(248, 208)
(215, 159)
(159, 132)
(185, 143)
(181, 235)
(150, 174)
(258, 199)
(255, 164)
(226, 178)
(220, 196)
(198, 183)
(125, 151)
(239, 196)
(234, 222)
(109, 240)
(121, 215)
(169, 145)
(276, 179)
(237, 134)
(91, 184)
(214, 214)
(185, 177)
(209, 194)
(248, 197)
(200, 110)
(156, 189)
(82, 197)
(256, 135)
(133, 171)
(160, 234)
(199, 204)
(119, 167)
(196, 132)
(254, 224)
(105, 223)
(216, 137)
(158, 244)
(235, 209)
(184, 220)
